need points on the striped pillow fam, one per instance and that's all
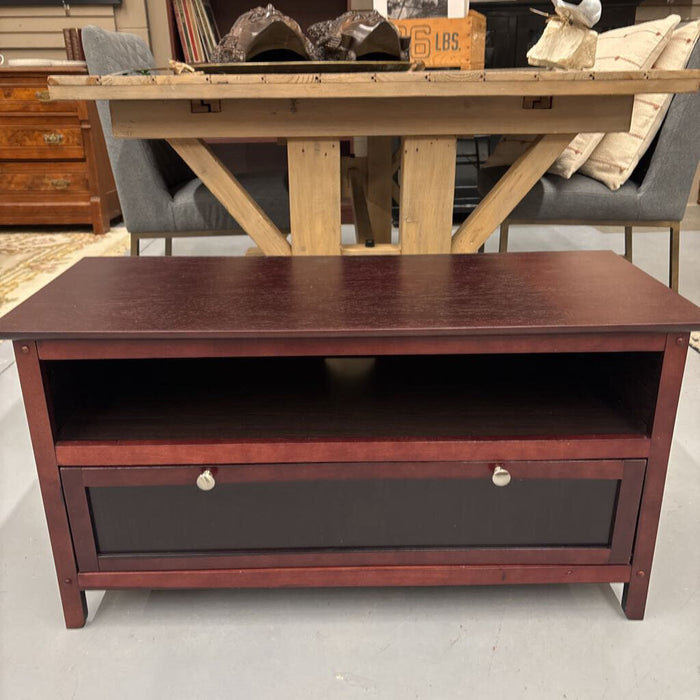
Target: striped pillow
(617, 155)
(632, 48)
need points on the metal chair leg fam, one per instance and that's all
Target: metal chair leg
(168, 246)
(675, 256)
(628, 243)
(503, 238)
(135, 244)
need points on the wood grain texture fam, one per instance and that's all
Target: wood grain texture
(628, 503)
(416, 84)
(358, 576)
(382, 116)
(416, 557)
(169, 452)
(41, 431)
(518, 180)
(427, 194)
(363, 223)
(65, 179)
(226, 188)
(435, 295)
(379, 185)
(635, 593)
(348, 471)
(340, 347)
(314, 196)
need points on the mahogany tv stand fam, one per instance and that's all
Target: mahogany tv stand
(383, 421)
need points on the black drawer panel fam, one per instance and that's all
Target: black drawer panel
(369, 513)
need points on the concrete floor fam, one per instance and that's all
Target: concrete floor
(487, 642)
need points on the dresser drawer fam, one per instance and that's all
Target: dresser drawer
(41, 140)
(63, 177)
(31, 98)
(359, 513)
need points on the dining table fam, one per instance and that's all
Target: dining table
(411, 120)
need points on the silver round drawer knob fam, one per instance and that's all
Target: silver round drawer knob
(501, 476)
(206, 481)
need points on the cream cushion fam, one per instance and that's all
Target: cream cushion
(617, 155)
(632, 48)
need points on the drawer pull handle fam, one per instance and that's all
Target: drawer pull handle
(501, 476)
(206, 481)
(42, 95)
(60, 184)
(53, 139)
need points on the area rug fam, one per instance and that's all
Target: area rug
(28, 261)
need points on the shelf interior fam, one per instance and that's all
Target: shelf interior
(432, 397)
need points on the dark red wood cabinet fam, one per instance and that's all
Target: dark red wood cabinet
(257, 423)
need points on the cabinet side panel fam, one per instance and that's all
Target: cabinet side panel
(635, 593)
(33, 391)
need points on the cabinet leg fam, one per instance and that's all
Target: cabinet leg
(74, 605)
(634, 596)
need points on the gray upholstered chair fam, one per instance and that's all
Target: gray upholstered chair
(160, 196)
(656, 194)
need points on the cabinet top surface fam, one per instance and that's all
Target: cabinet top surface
(226, 297)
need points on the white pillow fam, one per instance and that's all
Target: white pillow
(633, 48)
(617, 155)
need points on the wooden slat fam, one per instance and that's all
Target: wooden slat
(363, 225)
(495, 207)
(144, 349)
(427, 194)
(55, 25)
(380, 249)
(76, 12)
(542, 556)
(426, 84)
(39, 40)
(224, 186)
(314, 196)
(456, 575)
(379, 182)
(110, 453)
(338, 118)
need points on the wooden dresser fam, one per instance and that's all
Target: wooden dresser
(53, 161)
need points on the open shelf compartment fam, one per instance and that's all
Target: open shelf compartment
(449, 397)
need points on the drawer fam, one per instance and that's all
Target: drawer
(353, 514)
(45, 178)
(32, 98)
(40, 140)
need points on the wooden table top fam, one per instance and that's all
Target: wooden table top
(450, 295)
(484, 83)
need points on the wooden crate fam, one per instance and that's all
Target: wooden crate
(447, 43)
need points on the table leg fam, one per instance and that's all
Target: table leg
(427, 193)
(226, 188)
(518, 180)
(379, 186)
(314, 196)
